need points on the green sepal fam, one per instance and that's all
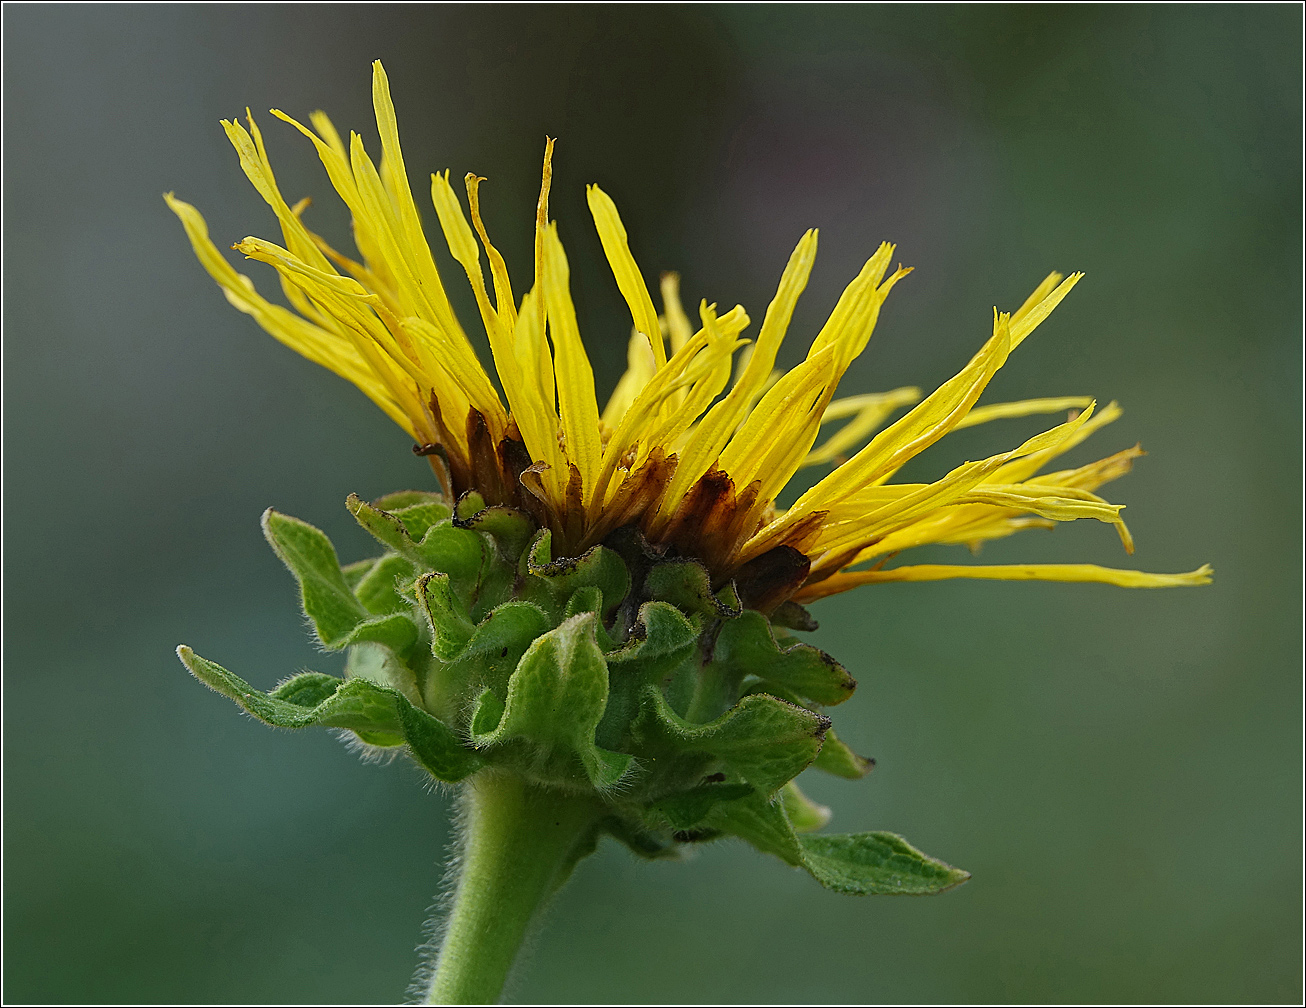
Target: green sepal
(746, 645)
(876, 863)
(383, 526)
(416, 515)
(598, 567)
(451, 626)
(377, 588)
(397, 631)
(411, 498)
(804, 814)
(686, 809)
(458, 552)
(661, 642)
(490, 655)
(556, 698)
(326, 596)
(765, 740)
(661, 639)
(360, 705)
(687, 586)
(858, 863)
(836, 758)
(510, 529)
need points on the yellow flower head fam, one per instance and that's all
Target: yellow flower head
(697, 441)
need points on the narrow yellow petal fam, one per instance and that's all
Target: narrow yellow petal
(1048, 285)
(679, 328)
(1009, 572)
(504, 302)
(863, 526)
(1023, 408)
(612, 233)
(1030, 317)
(639, 371)
(329, 349)
(578, 408)
(723, 420)
(869, 412)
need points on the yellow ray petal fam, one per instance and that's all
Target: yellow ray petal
(873, 524)
(843, 336)
(1022, 408)
(612, 233)
(679, 328)
(640, 368)
(394, 176)
(723, 420)
(869, 412)
(504, 302)
(1008, 572)
(578, 408)
(332, 351)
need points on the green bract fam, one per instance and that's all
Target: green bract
(619, 676)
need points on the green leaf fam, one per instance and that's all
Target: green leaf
(747, 646)
(765, 740)
(836, 758)
(357, 704)
(356, 571)
(858, 863)
(876, 863)
(326, 596)
(377, 588)
(307, 689)
(556, 698)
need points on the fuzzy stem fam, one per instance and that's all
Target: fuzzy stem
(519, 844)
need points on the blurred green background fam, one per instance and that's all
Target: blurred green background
(1119, 770)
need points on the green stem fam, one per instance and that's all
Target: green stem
(519, 844)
